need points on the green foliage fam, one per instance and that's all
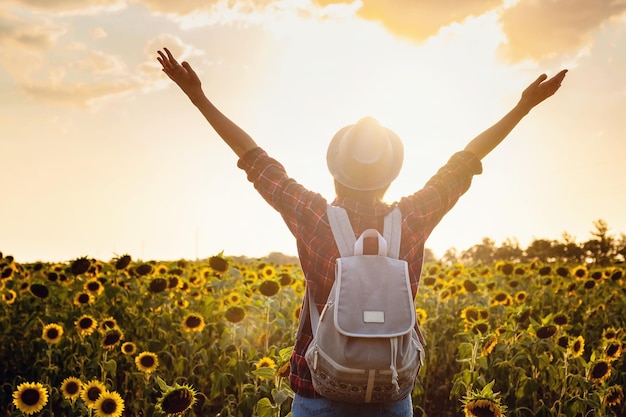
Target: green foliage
(535, 338)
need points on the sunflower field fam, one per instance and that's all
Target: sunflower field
(213, 337)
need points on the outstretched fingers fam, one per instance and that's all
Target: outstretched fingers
(167, 60)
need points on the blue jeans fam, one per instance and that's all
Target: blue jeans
(321, 407)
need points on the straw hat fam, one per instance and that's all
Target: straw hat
(365, 156)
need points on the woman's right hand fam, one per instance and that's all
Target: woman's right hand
(183, 75)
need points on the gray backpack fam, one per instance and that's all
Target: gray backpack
(365, 345)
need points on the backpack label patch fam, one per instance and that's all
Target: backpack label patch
(374, 316)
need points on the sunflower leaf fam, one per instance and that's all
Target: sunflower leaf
(265, 408)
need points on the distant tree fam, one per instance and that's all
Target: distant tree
(601, 248)
(568, 250)
(541, 249)
(482, 252)
(451, 256)
(509, 251)
(429, 255)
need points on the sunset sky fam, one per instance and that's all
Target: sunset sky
(102, 155)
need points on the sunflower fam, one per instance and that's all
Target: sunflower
(193, 323)
(80, 265)
(284, 371)
(86, 325)
(173, 282)
(470, 286)
(71, 388)
(157, 285)
(560, 319)
(285, 279)
(579, 272)
(93, 286)
(182, 303)
(421, 315)
(501, 299)
(9, 296)
(129, 348)
(161, 269)
(470, 314)
(268, 271)
(479, 327)
(482, 407)
(218, 263)
(108, 323)
(147, 362)
(484, 403)
(609, 333)
(545, 332)
(523, 315)
(614, 396)
(599, 372)
(296, 313)
(122, 262)
(144, 269)
(299, 287)
(30, 397)
(109, 404)
(266, 362)
(577, 347)
(269, 287)
(520, 297)
(506, 268)
(83, 298)
(563, 341)
(52, 333)
(91, 392)
(233, 298)
(112, 338)
(251, 276)
(235, 314)
(613, 351)
(175, 400)
(39, 290)
(489, 344)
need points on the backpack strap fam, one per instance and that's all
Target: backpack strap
(392, 232)
(342, 230)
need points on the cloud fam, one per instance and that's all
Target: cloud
(77, 94)
(17, 32)
(71, 6)
(538, 29)
(535, 29)
(418, 20)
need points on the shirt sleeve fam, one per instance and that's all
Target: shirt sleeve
(425, 209)
(293, 201)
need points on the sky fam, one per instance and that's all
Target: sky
(102, 155)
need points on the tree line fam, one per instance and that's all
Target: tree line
(601, 249)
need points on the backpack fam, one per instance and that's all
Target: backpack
(365, 345)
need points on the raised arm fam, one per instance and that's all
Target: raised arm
(189, 82)
(535, 93)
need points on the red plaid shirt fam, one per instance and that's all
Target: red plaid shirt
(304, 212)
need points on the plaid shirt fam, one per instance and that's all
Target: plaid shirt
(304, 212)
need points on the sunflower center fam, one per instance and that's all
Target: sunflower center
(86, 323)
(93, 286)
(482, 412)
(72, 388)
(53, 333)
(147, 361)
(93, 393)
(109, 406)
(30, 397)
(111, 338)
(177, 401)
(193, 321)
